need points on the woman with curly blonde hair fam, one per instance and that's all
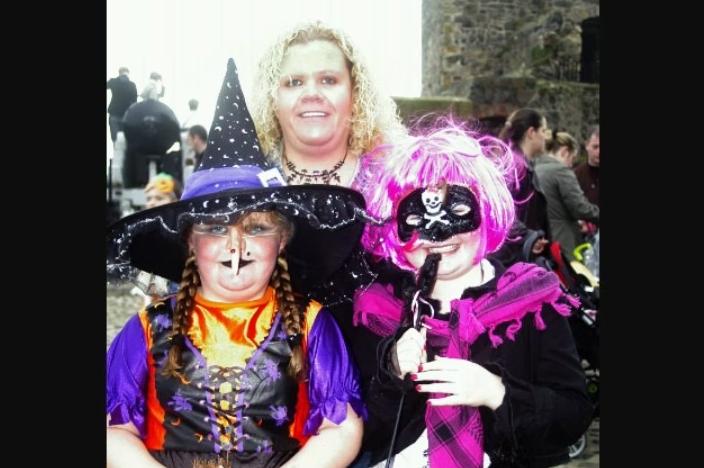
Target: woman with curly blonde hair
(316, 108)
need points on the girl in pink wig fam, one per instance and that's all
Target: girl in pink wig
(483, 354)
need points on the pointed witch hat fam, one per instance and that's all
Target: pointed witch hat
(235, 178)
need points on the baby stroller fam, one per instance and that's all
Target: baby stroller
(577, 279)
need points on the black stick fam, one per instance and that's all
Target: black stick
(424, 284)
(391, 456)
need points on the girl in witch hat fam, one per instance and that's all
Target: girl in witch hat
(235, 369)
(493, 372)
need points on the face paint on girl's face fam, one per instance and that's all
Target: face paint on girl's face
(437, 213)
(235, 262)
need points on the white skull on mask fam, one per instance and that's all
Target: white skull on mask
(432, 199)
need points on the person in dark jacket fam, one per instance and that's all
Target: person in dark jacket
(124, 94)
(197, 139)
(488, 348)
(525, 132)
(588, 172)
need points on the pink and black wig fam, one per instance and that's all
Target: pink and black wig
(449, 154)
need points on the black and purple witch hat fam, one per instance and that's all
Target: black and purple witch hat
(234, 178)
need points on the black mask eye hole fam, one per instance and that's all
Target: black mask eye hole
(414, 220)
(460, 209)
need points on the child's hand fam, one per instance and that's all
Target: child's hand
(465, 382)
(410, 351)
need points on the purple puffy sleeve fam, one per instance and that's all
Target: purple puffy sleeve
(127, 375)
(333, 377)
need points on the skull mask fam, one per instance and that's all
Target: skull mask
(438, 213)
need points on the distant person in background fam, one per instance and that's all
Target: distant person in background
(588, 172)
(162, 189)
(198, 140)
(525, 132)
(154, 88)
(566, 201)
(124, 94)
(192, 117)
(563, 147)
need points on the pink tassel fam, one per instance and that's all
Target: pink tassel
(539, 324)
(495, 340)
(359, 317)
(562, 309)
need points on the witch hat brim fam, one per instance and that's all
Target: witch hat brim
(328, 223)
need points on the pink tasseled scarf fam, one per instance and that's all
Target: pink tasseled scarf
(455, 433)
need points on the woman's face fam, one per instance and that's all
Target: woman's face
(314, 98)
(536, 139)
(235, 262)
(155, 197)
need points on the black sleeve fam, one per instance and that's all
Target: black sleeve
(381, 397)
(133, 93)
(573, 197)
(546, 407)
(382, 391)
(512, 249)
